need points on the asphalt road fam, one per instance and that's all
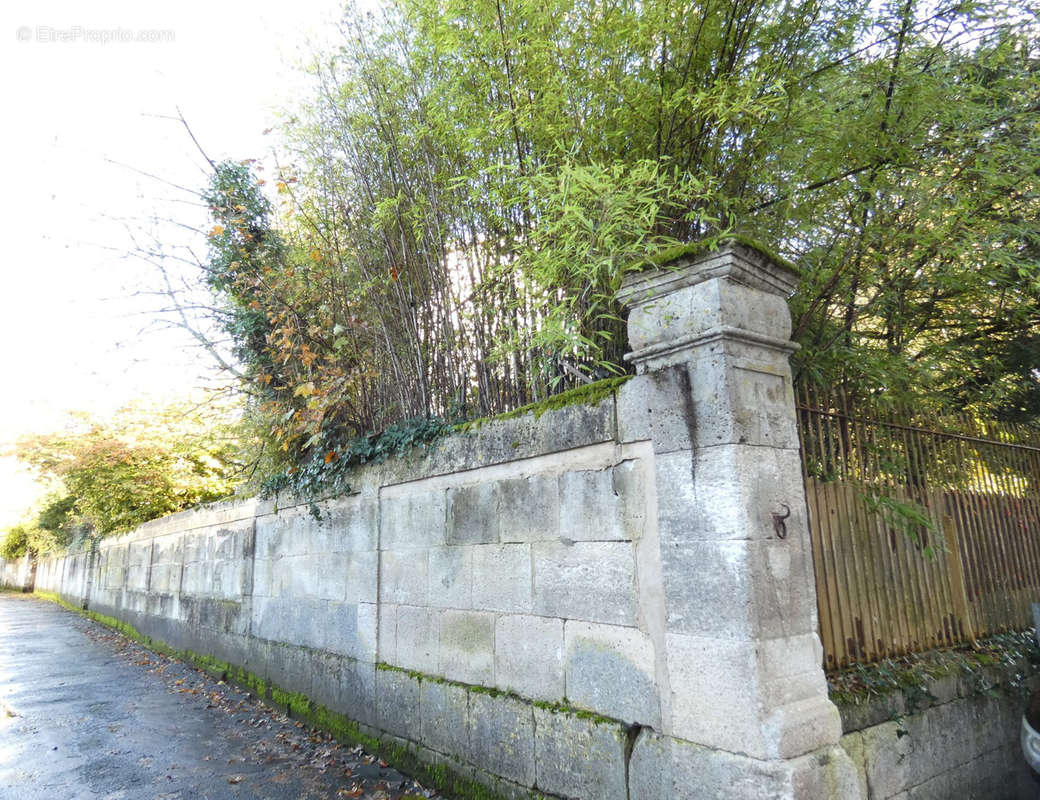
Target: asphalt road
(87, 713)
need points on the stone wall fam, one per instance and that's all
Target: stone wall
(612, 601)
(17, 574)
(497, 561)
(964, 742)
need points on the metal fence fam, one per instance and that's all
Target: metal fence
(925, 532)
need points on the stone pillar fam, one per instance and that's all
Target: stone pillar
(748, 713)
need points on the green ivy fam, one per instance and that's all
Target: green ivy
(329, 463)
(913, 675)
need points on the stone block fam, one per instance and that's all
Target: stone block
(444, 709)
(404, 577)
(386, 650)
(592, 581)
(590, 508)
(657, 407)
(723, 696)
(886, 759)
(738, 401)
(733, 287)
(997, 774)
(789, 669)
(228, 543)
(451, 577)
(529, 509)
(351, 524)
(529, 656)
(361, 578)
(472, 514)
(564, 429)
(288, 667)
(579, 757)
(326, 671)
(417, 638)
(713, 693)
(467, 647)
(611, 670)
(412, 520)
(738, 589)
(502, 577)
(341, 629)
(663, 768)
(309, 621)
(737, 489)
(276, 535)
(397, 703)
(343, 685)
(367, 632)
(358, 691)
(501, 736)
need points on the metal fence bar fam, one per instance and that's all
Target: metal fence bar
(923, 535)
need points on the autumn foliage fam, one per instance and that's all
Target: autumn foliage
(468, 183)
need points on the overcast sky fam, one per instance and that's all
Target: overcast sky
(86, 88)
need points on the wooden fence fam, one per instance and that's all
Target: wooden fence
(924, 534)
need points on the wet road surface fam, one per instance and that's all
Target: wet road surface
(86, 713)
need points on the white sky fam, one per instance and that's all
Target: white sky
(71, 328)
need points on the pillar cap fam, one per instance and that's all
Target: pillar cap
(733, 260)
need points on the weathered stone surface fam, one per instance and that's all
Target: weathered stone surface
(529, 656)
(967, 747)
(711, 679)
(274, 535)
(366, 648)
(287, 667)
(502, 577)
(386, 650)
(998, 774)
(603, 505)
(451, 577)
(579, 757)
(663, 768)
(467, 647)
(397, 703)
(590, 510)
(592, 581)
(403, 577)
(739, 589)
(529, 508)
(340, 625)
(501, 736)
(473, 514)
(731, 290)
(445, 717)
(417, 638)
(611, 670)
(350, 524)
(741, 401)
(654, 407)
(412, 520)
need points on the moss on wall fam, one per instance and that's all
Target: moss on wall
(448, 781)
(672, 254)
(1005, 664)
(590, 394)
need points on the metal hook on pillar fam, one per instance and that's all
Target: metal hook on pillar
(779, 527)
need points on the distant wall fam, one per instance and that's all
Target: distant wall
(17, 574)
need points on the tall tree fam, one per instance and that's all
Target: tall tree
(469, 182)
